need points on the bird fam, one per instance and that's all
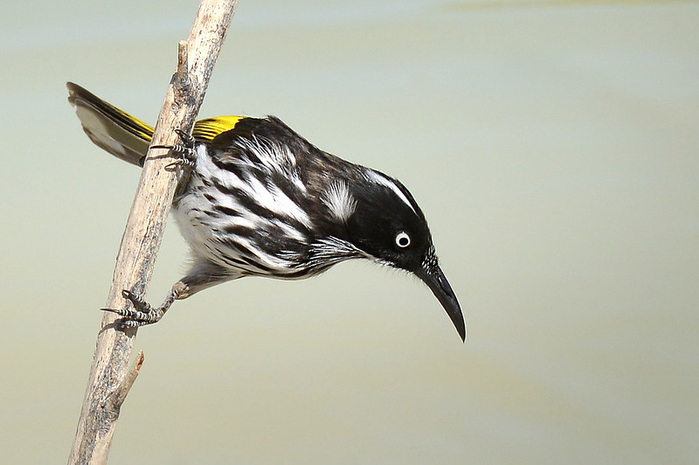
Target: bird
(258, 199)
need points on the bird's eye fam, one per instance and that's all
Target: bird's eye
(402, 239)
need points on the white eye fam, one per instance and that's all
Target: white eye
(402, 239)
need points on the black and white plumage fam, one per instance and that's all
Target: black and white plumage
(262, 200)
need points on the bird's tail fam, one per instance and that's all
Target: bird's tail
(110, 128)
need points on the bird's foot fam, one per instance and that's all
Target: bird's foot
(183, 153)
(141, 314)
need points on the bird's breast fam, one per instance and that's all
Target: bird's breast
(233, 212)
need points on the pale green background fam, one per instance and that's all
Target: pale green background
(553, 147)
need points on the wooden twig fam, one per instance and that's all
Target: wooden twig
(110, 376)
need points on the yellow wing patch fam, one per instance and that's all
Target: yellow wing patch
(208, 129)
(132, 124)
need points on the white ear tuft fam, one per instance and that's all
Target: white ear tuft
(339, 201)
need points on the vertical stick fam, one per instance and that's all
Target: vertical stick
(110, 377)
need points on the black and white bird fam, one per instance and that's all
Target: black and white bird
(261, 200)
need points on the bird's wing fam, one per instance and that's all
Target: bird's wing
(223, 131)
(210, 128)
(127, 137)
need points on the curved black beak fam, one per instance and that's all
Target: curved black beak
(439, 285)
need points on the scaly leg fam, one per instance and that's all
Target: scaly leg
(203, 274)
(183, 153)
(144, 313)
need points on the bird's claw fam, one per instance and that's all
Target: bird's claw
(142, 314)
(183, 153)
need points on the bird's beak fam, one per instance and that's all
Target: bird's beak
(436, 281)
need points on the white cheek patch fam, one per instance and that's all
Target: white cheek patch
(339, 201)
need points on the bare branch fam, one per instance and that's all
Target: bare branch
(110, 376)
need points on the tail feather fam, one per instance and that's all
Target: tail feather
(110, 128)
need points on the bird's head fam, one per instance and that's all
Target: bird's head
(383, 221)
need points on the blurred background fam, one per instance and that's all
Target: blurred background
(553, 148)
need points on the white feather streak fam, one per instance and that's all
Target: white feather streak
(378, 178)
(340, 201)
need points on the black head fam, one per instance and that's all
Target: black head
(387, 224)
